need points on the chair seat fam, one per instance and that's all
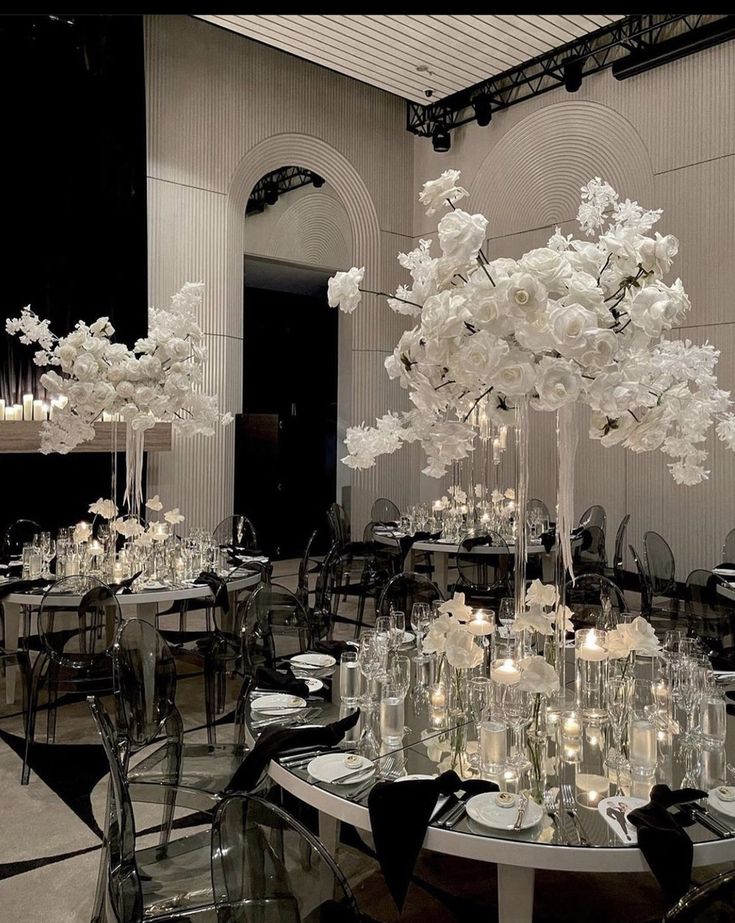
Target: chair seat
(188, 860)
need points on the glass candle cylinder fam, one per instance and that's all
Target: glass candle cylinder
(493, 746)
(643, 745)
(349, 678)
(392, 712)
(437, 705)
(590, 648)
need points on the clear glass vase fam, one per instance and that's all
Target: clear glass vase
(537, 743)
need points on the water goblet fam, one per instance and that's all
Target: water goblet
(618, 694)
(480, 692)
(506, 615)
(397, 630)
(420, 622)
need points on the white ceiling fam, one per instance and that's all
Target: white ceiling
(407, 55)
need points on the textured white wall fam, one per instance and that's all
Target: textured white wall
(222, 112)
(666, 138)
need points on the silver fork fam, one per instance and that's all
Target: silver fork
(550, 797)
(570, 809)
(386, 773)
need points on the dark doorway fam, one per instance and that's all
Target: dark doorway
(287, 438)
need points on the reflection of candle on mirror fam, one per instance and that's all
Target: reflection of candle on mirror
(570, 725)
(571, 751)
(437, 705)
(505, 672)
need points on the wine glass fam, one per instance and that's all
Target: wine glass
(420, 622)
(397, 630)
(400, 672)
(370, 661)
(384, 628)
(480, 692)
(506, 615)
(47, 547)
(517, 706)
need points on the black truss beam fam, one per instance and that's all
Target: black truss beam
(594, 52)
(279, 181)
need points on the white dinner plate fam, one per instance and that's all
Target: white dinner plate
(154, 585)
(484, 810)
(313, 661)
(724, 807)
(408, 637)
(313, 685)
(415, 777)
(331, 766)
(280, 703)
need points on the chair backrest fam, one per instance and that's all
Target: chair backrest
(713, 900)
(589, 551)
(403, 590)
(124, 890)
(660, 564)
(276, 626)
(145, 684)
(78, 620)
(339, 524)
(619, 554)
(384, 510)
(20, 533)
(270, 865)
(535, 504)
(585, 594)
(481, 569)
(728, 549)
(305, 568)
(594, 515)
(237, 532)
(643, 581)
(710, 608)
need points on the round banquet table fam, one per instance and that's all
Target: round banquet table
(517, 855)
(142, 605)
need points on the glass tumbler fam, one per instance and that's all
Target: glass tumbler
(350, 685)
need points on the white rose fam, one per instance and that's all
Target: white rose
(537, 676)
(439, 193)
(116, 352)
(658, 254)
(173, 516)
(525, 296)
(154, 504)
(659, 307)
(461, 236)
(558, 382)
(535, 334)
(116, 373)
(106, 509)
(343, 289)
(67, 354)
(611, 430)
(516, 374)
(534, 619)
(95, 346)
(142, 421)
(143, 395)
(551, 268)
(456, 607)
(444, 315)
(76, 338)
(597, 348)
(582, 288)
(436, 637)
(102, 327)
(85, 368)
(648, 434)
(569, 324)
(502, 268)
(125, 389)
(150, 366)
(479, 356)
(641, 636)
(586, 257)
(541, 594)
(462, 650)
(610, 394)
(177, 349)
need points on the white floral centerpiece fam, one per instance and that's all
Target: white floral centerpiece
(158, 380)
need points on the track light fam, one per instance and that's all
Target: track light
(271, 194)
(572, 71)
(318, 181)
(441, 139)
(482, 104)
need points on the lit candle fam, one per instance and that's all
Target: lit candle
(18, 411)
(437, 705)
(505, 672)
(95, 548)
(159, 531)
(82, 532)
(2, 409)
(503, 437)
(118, 571)
(437, 506)
(481, 623)
(38, 410)
(27, 406)
(591, 644)
(106, 416)
(570, 726)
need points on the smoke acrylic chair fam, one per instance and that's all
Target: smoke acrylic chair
(710, 613)
(485, 576)
(237, 532)
(385, 511)
(712, 901)
(594, 515)
(661, 570)
(78, 620)
(403, 590)
(728, 548)
(276, 626)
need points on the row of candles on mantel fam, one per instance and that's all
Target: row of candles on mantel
(33, 408)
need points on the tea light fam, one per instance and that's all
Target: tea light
(82, 532)
(571, 726)
(481, 623)
(159, 531)
(590, 644)
(27, 407)
(437, 705)
(95, 548)
(505, 672)
(571, 751)
(118, 571)
(437, 506)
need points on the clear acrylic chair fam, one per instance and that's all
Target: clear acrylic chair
(588, 553)
(585, 594)
(484, 575)
(20, 533)
(661, 569)
(713, 901)
(403, 590)
(176, 773)
(535, 504)
(384, 510)
(728, 548)
(236, 532)
(308, 565)
(594, 515)
(78, 620)
(276, 626)
(268, 864)
(710, 613)
(619, 553)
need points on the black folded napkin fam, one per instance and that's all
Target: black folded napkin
(548, 539)
(124, 586)
(20, 586)
(333, 648)
(399, 816)
(218, 586)
(407, 541)
(666, 846)
(276, 740)
(281, 682)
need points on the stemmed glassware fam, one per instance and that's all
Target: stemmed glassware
(420, 622)
(47, 546)
(506, 615)
(370, 659)
(397, 631)
(619, 695)
(480, 693)
(384, 633)
(517, 706)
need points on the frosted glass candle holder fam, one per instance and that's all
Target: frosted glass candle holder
(590, 650)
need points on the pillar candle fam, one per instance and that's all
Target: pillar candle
(38, 410)
(27, 406)
(2, 410)
(17, 411)
(505, 672)
(45, 409)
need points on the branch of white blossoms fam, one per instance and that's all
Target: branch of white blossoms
(577, 321)
(158, 380)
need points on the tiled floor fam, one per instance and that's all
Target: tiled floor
(50, 837)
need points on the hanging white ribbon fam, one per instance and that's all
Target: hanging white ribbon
(134, 444)
(566, 445)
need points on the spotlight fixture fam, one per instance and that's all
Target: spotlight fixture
(482, 104)
(318, 181)
(441, 139)
(271, 194)
(572, 72)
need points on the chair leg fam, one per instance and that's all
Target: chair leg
(174, 754)
(35, 684)
(52, 678)
(210, 696)
(98, 907)
(360, 614)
